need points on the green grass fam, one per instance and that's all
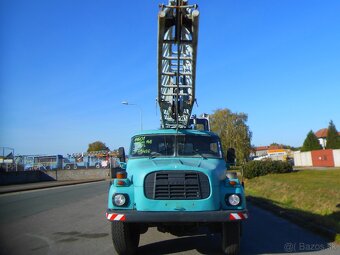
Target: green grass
(314, 194)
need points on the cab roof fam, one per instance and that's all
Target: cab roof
(175, 131)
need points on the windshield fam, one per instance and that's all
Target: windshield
(180, 145)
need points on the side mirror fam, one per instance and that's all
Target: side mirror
(121, 154)
(231, 156)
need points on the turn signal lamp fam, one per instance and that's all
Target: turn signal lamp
(120, 183)
(121, 175)
(121, 179)
(232, 183)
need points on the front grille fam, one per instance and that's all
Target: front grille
(176, 185)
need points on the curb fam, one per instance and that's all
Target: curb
(44, 185)
(330, 234)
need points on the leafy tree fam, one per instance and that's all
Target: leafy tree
(311, 142)
(333, 138)
(97, 146)
(233, 131)
(284, 146)
(276, 144)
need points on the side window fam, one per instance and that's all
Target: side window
(214, 147)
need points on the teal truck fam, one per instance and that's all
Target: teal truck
(176, 178)
(177, 181)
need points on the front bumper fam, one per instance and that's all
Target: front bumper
(202, 216)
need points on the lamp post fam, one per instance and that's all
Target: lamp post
(141, 113)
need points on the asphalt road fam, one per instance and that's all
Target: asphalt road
(70, 220)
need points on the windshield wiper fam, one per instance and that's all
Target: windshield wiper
(201, 154)
(154, 154)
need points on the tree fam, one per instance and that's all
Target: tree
(284, 146)
(311, 142)
(97, 146)
(233, 131)
(333, 138)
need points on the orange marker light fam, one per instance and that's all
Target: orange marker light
(121, 175)
(232, 183)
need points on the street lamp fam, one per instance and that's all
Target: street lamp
(141, 113)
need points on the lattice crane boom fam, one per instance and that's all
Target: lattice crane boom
(177, 51)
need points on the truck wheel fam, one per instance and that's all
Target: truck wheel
(231, 235)
(68, 167)
(75, 166)
(97, 165)
(125, 237)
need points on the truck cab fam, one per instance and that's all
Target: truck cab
(176, 180)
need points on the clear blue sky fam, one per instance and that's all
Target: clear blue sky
(65, 67)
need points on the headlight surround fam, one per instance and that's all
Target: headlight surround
(120, 199)
(233, 199)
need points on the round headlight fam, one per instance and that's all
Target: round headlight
(119, 199)
(234, 199)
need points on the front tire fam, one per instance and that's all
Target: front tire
(231, 236)
(125, 237)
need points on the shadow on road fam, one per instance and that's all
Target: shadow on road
(263, 233)
(204, 244)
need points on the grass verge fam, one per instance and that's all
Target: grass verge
(309, 195)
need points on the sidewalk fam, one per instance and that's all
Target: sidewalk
(297, 168)
(42, 185)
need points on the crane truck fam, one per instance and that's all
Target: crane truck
(176, 178)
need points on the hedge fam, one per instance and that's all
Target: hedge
(259, 168)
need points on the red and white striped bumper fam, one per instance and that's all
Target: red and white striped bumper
(202, 216)
(238, 216)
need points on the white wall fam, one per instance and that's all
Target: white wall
(336, 156)
(303, 158)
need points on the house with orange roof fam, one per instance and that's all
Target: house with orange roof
(322, 136)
